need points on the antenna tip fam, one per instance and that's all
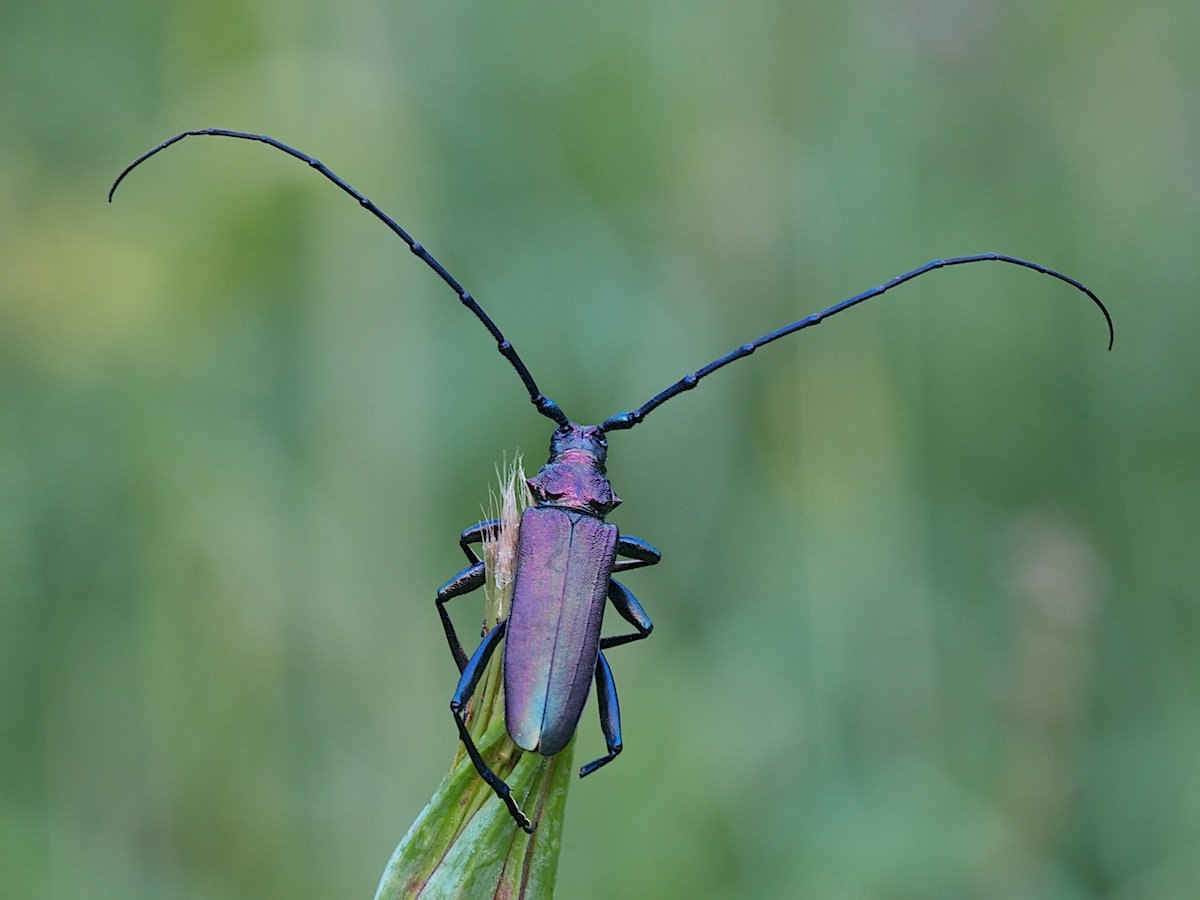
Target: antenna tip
(117, 183)
(1112, 331)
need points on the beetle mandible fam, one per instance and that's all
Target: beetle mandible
(567, 553)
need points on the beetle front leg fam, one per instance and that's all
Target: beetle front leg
(466, 687)
(610, 716)
(631, 611)
(477, 534)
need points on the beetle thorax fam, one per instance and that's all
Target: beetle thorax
(574, 477)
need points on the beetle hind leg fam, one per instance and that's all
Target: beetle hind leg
(610, 716)
(606, 689)
(467, 682)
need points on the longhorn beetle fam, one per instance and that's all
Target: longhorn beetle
(566, 552)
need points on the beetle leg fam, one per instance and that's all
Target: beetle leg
(631, 611)
(466, 687)
(606, 689)
(639, 554)
(610, 716)
(469, 579)
(477, 534)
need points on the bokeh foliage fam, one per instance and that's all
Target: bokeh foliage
(927, 618)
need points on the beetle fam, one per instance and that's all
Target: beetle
(567, 553)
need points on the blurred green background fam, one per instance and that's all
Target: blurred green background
(927, 619)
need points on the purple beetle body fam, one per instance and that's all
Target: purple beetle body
(565, 555)
(553, 637)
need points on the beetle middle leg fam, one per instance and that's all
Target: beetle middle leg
(631, 611)
(467, 682)
(469, 579)
(638, 554)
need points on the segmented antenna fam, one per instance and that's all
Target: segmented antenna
(544, 404)
(627, 420)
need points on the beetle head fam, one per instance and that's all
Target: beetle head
(573, 477)
(587, 439)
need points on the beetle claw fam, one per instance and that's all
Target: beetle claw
(515, 811)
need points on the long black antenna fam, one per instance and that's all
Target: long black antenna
(629, 419)
(544, 404)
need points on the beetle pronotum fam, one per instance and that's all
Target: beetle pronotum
(567, 553)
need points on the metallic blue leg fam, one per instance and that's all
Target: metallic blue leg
(606, 689)
(639, 554)
(467, 682)
(631, 611)
(469, 579)
(477, 534)
(610, 716)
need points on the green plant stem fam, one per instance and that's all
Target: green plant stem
(464, 844)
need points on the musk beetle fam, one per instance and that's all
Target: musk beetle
(567, 553)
